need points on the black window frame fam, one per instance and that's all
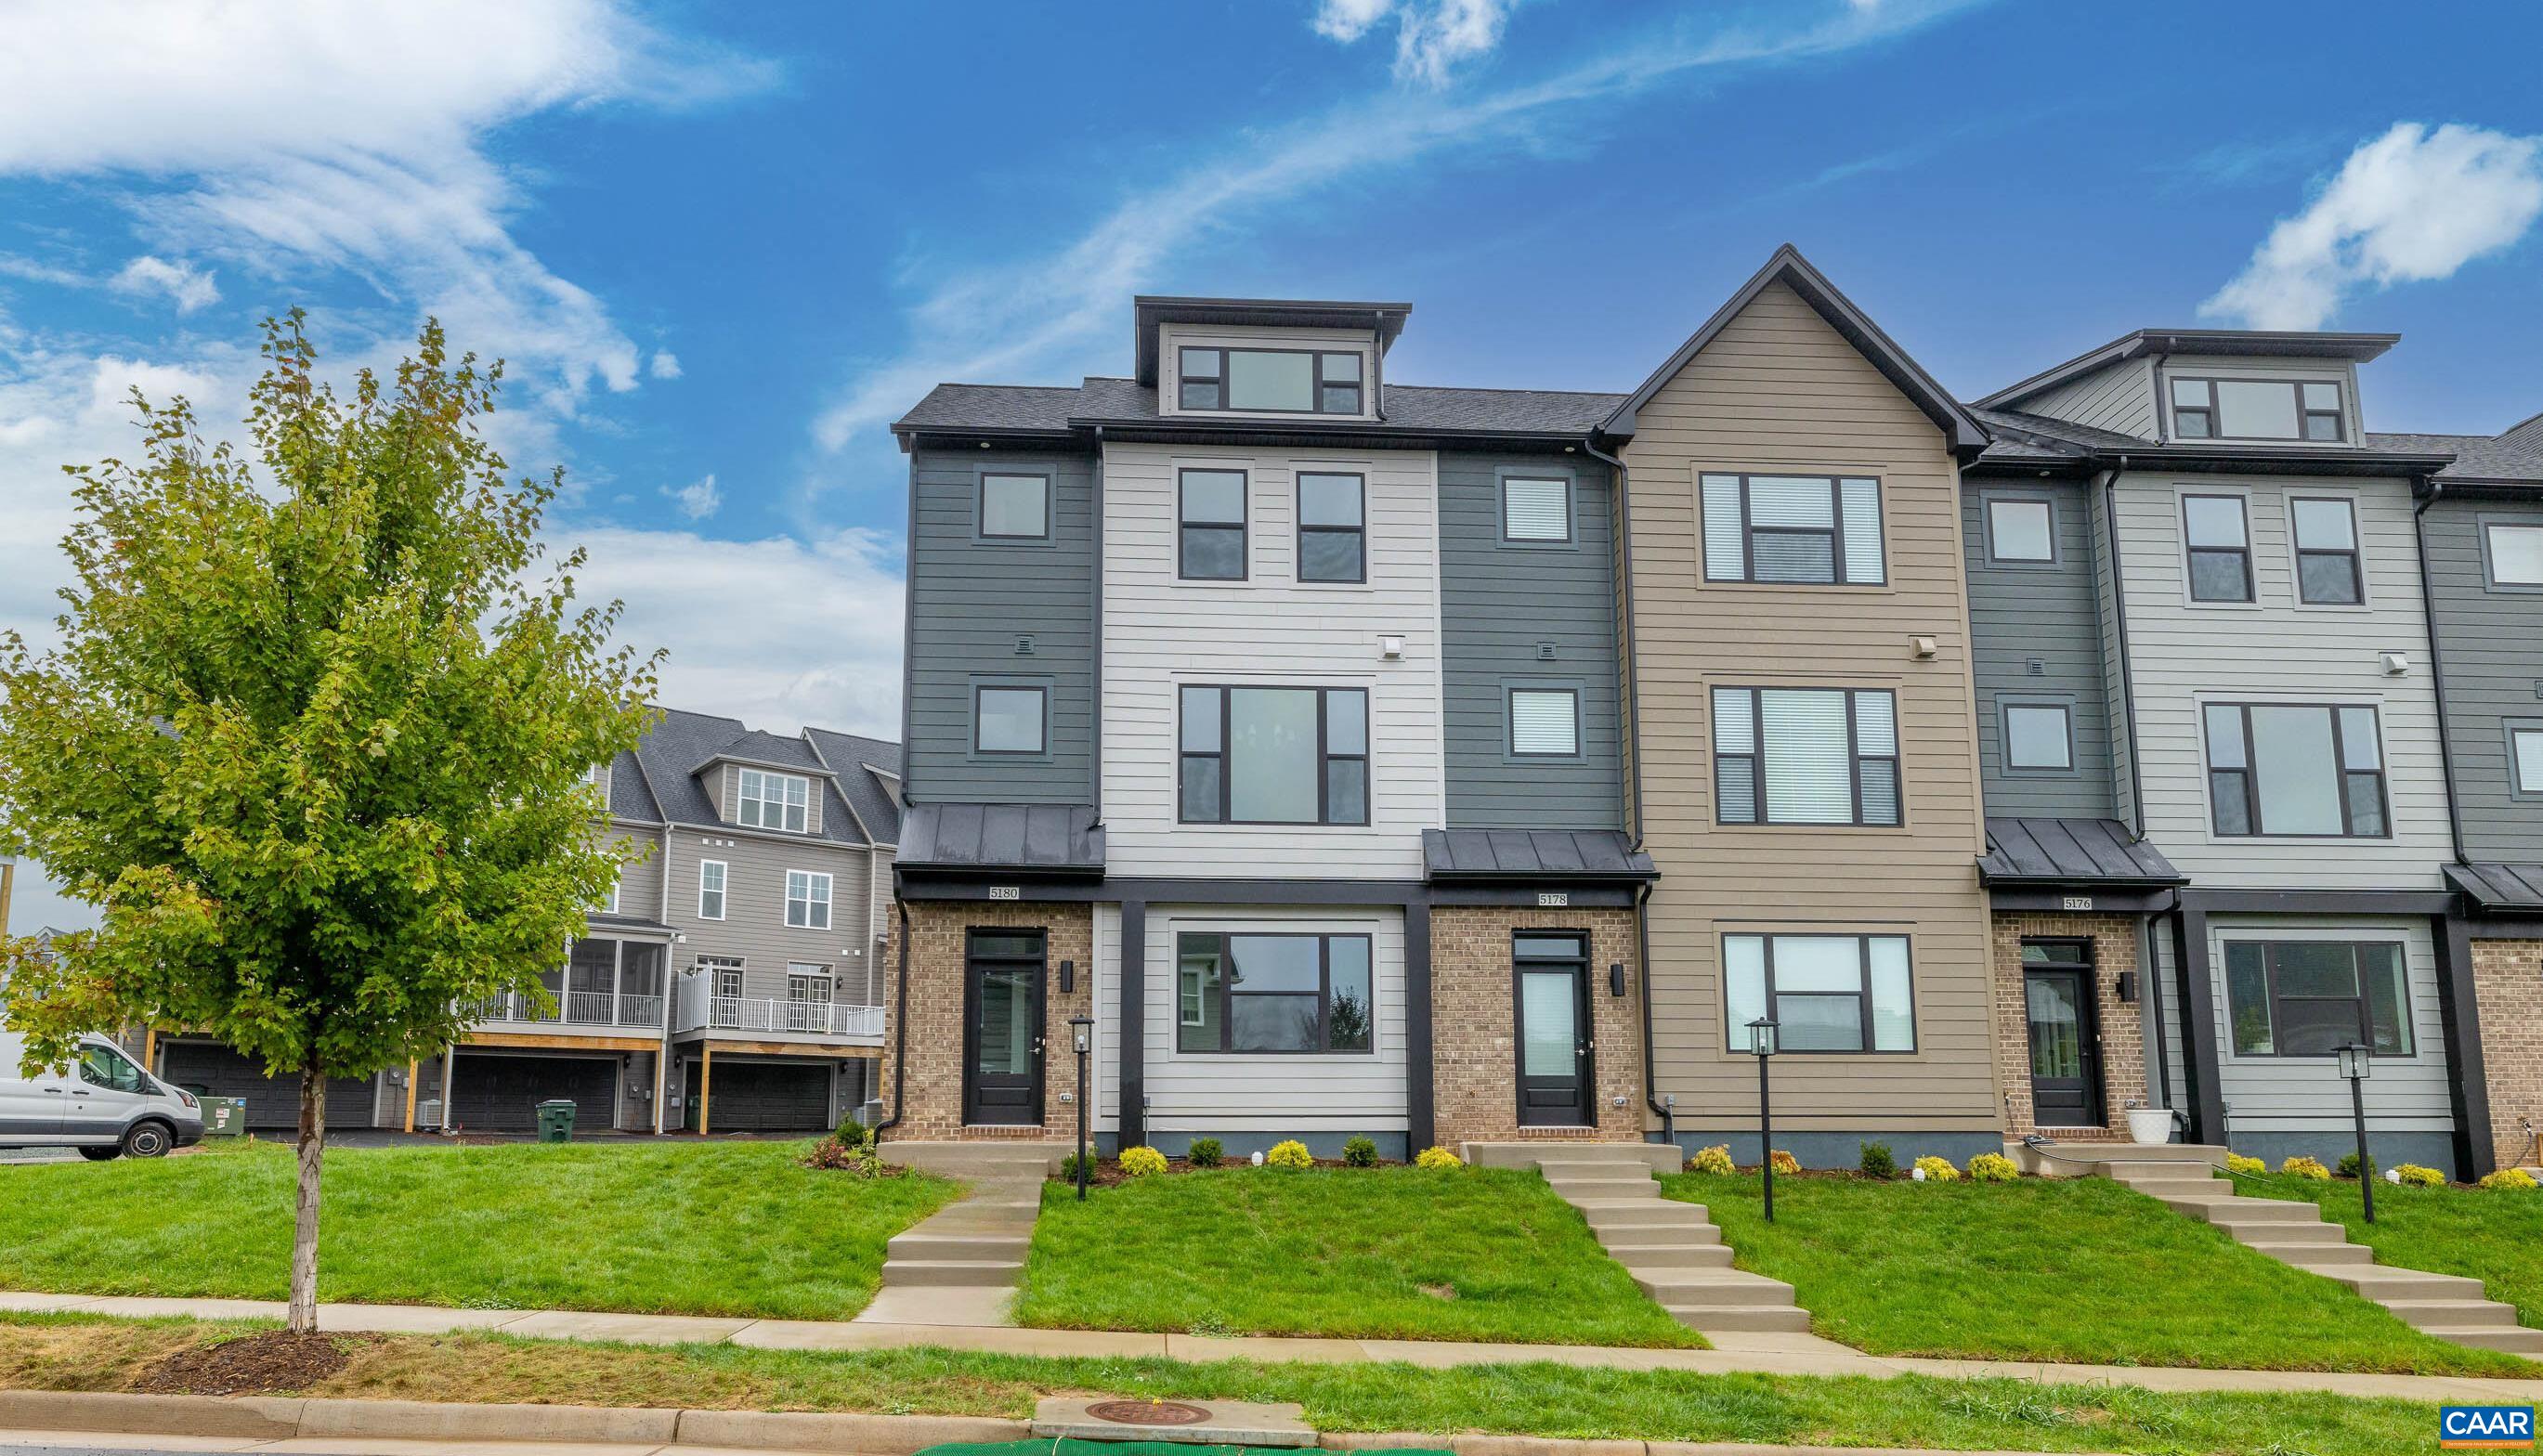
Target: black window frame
(2490, 578)
(2250, 786)
(1359, 533)
(1227, 992)
(1509, 721)
(2354, 552)
(2214, 409)
(1325, 757)
(1835, 530)
(1736, 1037)
(1243, 527)
(2410, 1037)
(1042, 718)
(980, 508)
(2190, 553)
(1502, 502)
(2006, 707)
(1855, 757)
(1988, 501)
(1321, 382)
(2512, 729)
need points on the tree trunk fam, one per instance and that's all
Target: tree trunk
(304, 1218)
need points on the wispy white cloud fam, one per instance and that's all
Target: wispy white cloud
(665, 365)
(1432, 38)
(190, 287)
(697, 499)
(1348, 19)
(2412, 205)
(1037, 316)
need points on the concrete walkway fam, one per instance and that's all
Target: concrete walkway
(962, 1264)
(1734, 1352)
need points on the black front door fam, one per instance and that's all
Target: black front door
(1002, 1028)
(2065, 1042)
(1553, 1009)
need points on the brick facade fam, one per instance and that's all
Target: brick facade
(931, 1109)
(1473, 1015)
(2124, 1060)
(2508, 986)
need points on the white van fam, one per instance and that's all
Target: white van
(103, 1105)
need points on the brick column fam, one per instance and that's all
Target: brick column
(939, 931)
(1474, 1033)
(2507, 984)
(2124, 1058)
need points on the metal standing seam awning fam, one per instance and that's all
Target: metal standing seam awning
(2081, 854)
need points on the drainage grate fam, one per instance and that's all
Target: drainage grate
(1147, 1412)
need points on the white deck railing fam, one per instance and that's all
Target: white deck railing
(700, 1010)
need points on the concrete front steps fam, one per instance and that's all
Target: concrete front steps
(1672, 1249)
(960, 1265)
(2447, 1305)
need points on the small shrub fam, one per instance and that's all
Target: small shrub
(2412, 1175)
(1205, 1152)
(2348, 1166)
(1784, 1162)
(1438, 1160)
(1878, 1162)
(1289, 1154)
(1360, 1152)
(1714, 1159)
(831, 1155)
(1141, 1161)
(2302, 1167)
(854, 1136)
(1931, 1169)
(2237, 1163)
(2507, 1177)
(1068, 1167)
(1994, 1168)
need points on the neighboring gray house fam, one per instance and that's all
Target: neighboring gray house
(732, 977)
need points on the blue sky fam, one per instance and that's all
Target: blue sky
(723, 246)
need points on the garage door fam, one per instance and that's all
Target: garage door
(769, 1097)
(271, 1104)
(501, 1094)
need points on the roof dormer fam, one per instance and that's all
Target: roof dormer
(1267, 359)
(2231, 387)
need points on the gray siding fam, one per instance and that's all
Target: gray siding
(969, 601)
(2120, 398)
(1498, 602)
(754, 925)
(2493, 661)
(2108, 624)
(2049, 615)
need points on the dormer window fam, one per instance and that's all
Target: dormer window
(2259, 409)
(1275, 381)
(766, 801)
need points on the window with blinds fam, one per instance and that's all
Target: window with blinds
(1536, 509)
(1545, 723)
(1806, 756)
(1800, 531)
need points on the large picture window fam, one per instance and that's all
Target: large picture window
(2310, 998)
(1274, 992)
(1806, 530)
(1274, 755)
(1285, 381)
(765, 800)
(1806, 756)
(2295, 768)
(2258, 410)
(1211, 526)
(1826, 992)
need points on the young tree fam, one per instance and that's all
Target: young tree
(312, 741)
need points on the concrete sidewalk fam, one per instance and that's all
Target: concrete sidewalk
(1759, 1353)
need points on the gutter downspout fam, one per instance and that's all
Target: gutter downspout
(2128, 671)
(1634, 728)
(900, 1028)
(2437, 667)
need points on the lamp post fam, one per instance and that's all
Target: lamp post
(1761, 1044)
(2356, 1063)
(1082, 1030)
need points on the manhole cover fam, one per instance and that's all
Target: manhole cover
(1147, 1412)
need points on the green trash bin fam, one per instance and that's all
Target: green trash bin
(556, 1120)
(223, 1116)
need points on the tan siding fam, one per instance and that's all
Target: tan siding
(1778, 388)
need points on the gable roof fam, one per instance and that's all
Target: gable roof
(857, 761)
(1788, 268)
(682, 744)
(2242, 343)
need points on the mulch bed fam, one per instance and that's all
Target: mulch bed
(1106, 1174)
(252, 1365)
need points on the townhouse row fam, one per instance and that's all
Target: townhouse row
(1333, 756)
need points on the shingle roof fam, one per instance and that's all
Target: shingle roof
(853, 758)
(2053, 436)
(2049, 851)
(2513, 456)
(993, 407)
(2500, 886)
(684, 743)
(1042, 840)
(990, 408)
(1533, 854)
(629, 798)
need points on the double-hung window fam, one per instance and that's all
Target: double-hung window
(808, 901)
(1333, 529)
(1807, 530)
(2327, 570)
(2258, 410)
(2295, 768)
(766, 801)
(1545, 723)
(711, 880)
(1536, 509)
(1015, 506)
(1826, 992)
(1284, 381)
(2513, 553)
(2220, 548)
(2310, 998)
(1274, 755)
(1273, 993)
(1211, 520)
(1806, 756)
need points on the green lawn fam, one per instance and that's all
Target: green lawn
(2069, 1269)
(2494, 1237)
(1541, 1399)
(1392, 1253)
(685, 1228)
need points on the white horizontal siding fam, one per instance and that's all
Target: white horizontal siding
(2269, 1094)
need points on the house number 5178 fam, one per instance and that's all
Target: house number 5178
(1547, 900)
